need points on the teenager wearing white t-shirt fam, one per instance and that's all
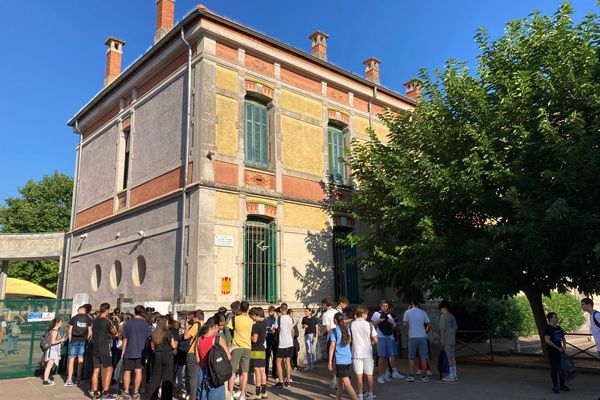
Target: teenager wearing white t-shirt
(328, 325)
(587, 305)
(363, 337)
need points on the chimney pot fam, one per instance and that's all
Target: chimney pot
(319, 44)
(165, 16)
(114, 55)
(372, 70)
(413, 88)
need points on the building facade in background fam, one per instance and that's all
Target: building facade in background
(201, 168)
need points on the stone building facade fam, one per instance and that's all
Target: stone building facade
(201, 167)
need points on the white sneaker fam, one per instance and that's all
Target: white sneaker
(449, 378)
(381, 380)
(386, 376)
(243, 397)
(397, 375)
(425, 379)
(237, 394)
(419, 372)
(359, 396)
(409, 379)
(370, 396)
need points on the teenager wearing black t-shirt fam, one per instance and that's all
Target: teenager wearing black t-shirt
(554, 337)
(311, 332)
(102, 334)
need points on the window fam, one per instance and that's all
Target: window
(115, 274)
(336, 154)
(345, 266)
(96, 278)
(138, 272)
(256, 133)
(260, 266)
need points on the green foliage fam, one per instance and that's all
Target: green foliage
(491, 185)
(43, 206)
(526, 323)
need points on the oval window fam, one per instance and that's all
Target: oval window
(138, 271)
(115, 274)
(96, 277)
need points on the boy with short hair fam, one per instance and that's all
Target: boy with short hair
(79, 332)
(272, 342)
(363, 336)
(102, 333)
(257, 356)
(448, 328)
(286, 346)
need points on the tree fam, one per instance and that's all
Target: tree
(491, 186)
(43, 206)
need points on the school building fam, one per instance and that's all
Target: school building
(201, 169)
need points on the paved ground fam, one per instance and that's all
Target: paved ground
(476, 382)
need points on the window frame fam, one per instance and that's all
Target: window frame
(336, 150)
(253, 157)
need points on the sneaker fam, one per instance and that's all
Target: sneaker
(264, 395)
(425, 379)
(124, 396)
(419, 372)
(48, 383)
(288, 384)
(242, 397)
(386, 376)
(409, 379)
(136, 396)
(253, 396)
(370, 396)
(237, 394)
(381, 380)
(278, 385)
(564, 388)
(108, 396)
(69, 384)
(398, 375)
(449, 379)
(359, 397)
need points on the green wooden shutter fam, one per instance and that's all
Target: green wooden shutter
(336, 154)
(256, 135)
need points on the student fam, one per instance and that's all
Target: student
(311, 332)
(587, 305)
(205, 343)
(163, 343)
(242, 343)
(554, 336)
(79, 332)
(52, 355)
(135, 335)
(448, 328)
(384, 324)
(272, 342)
(295, 336)
(339, 350)
(286, 344)
(418, 324)
(102, 333)
(257, 357)
(328, 324)
(363, 338)
(191, 334)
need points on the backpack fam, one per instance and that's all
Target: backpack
(46, 342)
(218, 365)
(79, 331)
(595, 320)
(15, 331)
(567, 366)
(185, 345)
(386, 327)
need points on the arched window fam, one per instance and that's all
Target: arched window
(256, 133)
(260, 264)
(336, 153)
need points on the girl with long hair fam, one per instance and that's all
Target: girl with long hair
(163, 343)
(52, 355)
(339, 347)
(205, 343)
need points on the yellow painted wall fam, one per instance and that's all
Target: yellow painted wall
(227, 79)
(225, 262)
(306, 217)
(226, 128)
(259, 200)
(301, 104)
(302, 146)
(227, 205)
(362, 124)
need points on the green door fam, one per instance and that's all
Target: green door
(260, 265)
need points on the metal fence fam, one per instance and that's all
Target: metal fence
(22, 325)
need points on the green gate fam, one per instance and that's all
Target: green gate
(260, 261)
(20, 355)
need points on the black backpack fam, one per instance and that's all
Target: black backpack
(218, 365)
(79, 331)
(385, 326)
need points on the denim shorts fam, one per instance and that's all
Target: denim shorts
(417, 346)
(386, 347)
(76, 349)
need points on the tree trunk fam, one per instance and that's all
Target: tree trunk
(535, 302)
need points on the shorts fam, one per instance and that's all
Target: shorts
(285, 352)
(450, 349)
(102, 361)
(76, 349)
(129, 364)
(417, 346)
(240, 358)
(342, 371)
(363, 366)
(258, 359)
(386, 347)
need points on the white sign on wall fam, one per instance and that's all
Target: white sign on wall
(223, 240)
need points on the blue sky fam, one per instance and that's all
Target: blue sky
(53, 53)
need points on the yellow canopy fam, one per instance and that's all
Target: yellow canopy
(20, 289)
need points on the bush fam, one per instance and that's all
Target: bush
(565, 305)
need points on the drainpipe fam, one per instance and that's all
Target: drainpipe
(182, 280)
(67, 258)
(370, 104)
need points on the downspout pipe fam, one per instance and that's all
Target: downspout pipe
(182, 281)
(370, 107)
(67, 258)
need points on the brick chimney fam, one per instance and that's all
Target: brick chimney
(372, 70)
(413, 88)
(319, 45)
(114, 54)
(165, 16)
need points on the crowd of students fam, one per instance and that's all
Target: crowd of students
(160, 356)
